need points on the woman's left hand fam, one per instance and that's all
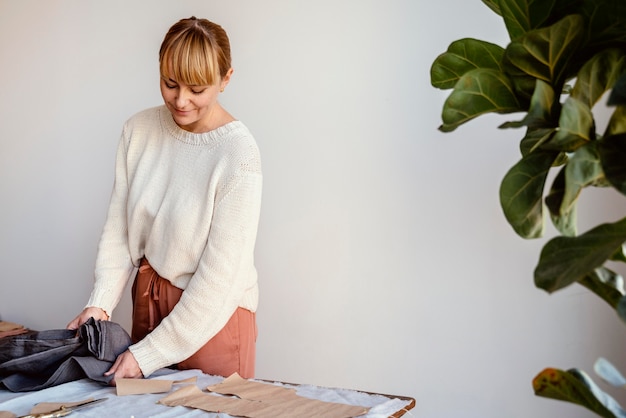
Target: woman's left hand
(125, 366)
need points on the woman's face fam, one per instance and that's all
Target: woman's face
(192, 106)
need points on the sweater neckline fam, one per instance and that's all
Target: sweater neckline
(193, 138)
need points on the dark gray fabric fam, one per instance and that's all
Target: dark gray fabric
(48, 358)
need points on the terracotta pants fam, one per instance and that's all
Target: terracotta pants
(230, 350)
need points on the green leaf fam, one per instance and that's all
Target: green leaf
(521, 193)
(576, 387)
(493, 5)
(607, 23)
(618, 94)
(620, 254)
(462, 56)
(541, 104)
(576, 127)
(565, 222)
(583, 169)
(565, 260)
(521, 16)
(607, 284)
(598, 75)
(535, 138)
(539, 114)
(544, 54)
(617, 122)
(478, 92)
(604, 27)
(621, 308)
(612, 151)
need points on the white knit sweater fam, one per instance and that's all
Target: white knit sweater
(190, 204)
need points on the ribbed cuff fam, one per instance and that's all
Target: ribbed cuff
(101, 300)
(148, 357)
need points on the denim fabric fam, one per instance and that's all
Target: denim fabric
(49, 358)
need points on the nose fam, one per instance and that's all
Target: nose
(182, 98)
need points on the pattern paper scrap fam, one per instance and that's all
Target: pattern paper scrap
(258, 400)
(141, 386)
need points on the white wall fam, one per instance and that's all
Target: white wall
(385, 262)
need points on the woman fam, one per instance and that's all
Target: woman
(184, 211)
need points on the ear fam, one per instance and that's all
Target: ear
(226, 79)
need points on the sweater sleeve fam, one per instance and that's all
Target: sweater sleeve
(113, 262)
(216, 289)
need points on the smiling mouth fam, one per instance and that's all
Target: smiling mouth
(182, 115)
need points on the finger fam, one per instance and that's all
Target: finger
(74, 323)
(113, 368)
(77, 322)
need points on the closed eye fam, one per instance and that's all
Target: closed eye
(171, 84)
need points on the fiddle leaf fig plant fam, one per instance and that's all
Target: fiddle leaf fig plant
(563, 58)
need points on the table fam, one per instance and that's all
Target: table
(145, 405)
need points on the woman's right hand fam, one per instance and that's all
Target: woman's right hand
(90, 312)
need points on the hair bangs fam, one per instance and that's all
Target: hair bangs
(190, 60)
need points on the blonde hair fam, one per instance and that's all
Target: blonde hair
(195, 52)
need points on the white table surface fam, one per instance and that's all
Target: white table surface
(145, 405)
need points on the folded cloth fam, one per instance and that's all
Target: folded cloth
(13, 332)
(48, 358)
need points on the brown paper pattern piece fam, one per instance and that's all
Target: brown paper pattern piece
(142, 386)
(258, 400)
(245, 389)
(193, 397)
(9, 329)
(45, 407)
(9, 326)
